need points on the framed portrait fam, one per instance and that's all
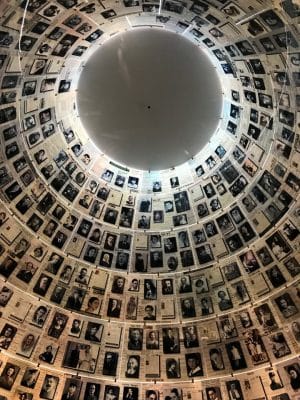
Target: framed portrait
(48, 353)
(278, 246)
(193, 365)
(286, 305)
(27, 345)
(8, 375)
(58, 325)
(7, 335)
(265, 317)
(71, 389)
(81, 356)
(30, 377)
(130, 392)
(234, 389)
(255, 346)
(171, 343)
(39, 315)
(49, 387)
(279, 345)
(92, 389)
(111, 392)
(236, 355)
(76, 327)
(216, 359)
(241, 292)
(93, 331)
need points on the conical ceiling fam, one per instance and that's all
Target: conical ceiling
(167, 278)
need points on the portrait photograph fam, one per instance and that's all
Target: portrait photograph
(71, 389)
(286, 305)
(93, 332)
(255, 346)
(193, 365)
(132, 367)
(49, 387)
(278, 246)
(241, 292)
(80, 356)
(216, 359)
(265, 317)
(75, 327)
(7, 335)
(30, 377)
(171, 343)
(8, 375)
(42, 285)
(57, 325)
(152, 339)
(130, 393)
(27, 345)
(49, 352)
(234, 389)
(279, 345)
(111, 392)
(213, 392)
(236, 355)
(92, 391)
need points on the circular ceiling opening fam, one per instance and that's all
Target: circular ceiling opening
(149, 99)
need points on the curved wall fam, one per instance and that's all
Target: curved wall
(118, 283)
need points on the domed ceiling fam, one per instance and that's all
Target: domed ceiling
(149, 183)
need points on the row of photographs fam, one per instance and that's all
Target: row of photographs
(200, 293)
(257, 345)
(60, 222)
(21, 334)
(148, 252)
(157, 249)
(27, 382)
(91, 196)
(277, 249)
(225, 181)
(150, 306)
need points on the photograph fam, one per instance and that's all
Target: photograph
(255, 346)
(171, 343)
(8, 375)
(92, 391)
(111, 392)
(27, 345)
(235, 355)
(49, 387)
(216, 359)
(133, 367)
(80, 356)
(57, 325)
(71, 389)
(293, 373)
(30, 377)
(286, 305)
(49, 353)
(75, 328)
(193, 365)
(234, 390)
(7, 334)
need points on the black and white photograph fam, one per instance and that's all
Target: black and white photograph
(194, 365)
(236, 355)
(71, 389)
(49, 387)
(8, 376)
(48, 354)
(82, 357)
(27, 345)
